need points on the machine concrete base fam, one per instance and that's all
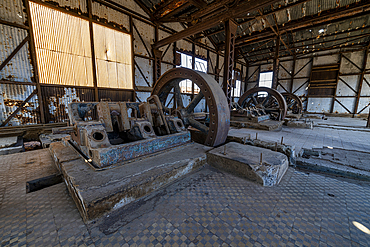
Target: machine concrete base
(264, 125)
(336, 161)
(98, 192)
(303, 124)
(243, 160)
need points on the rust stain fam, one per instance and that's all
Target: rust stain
(171, 7)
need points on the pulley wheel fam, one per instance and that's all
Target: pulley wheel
(293, 102)
(267, 99)
(219, 112)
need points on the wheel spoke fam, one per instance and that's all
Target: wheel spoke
(254, 100)
(178, 96)
(190, 108)
(194, 123)
(266, 100)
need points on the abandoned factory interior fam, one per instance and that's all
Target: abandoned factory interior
(184, 123)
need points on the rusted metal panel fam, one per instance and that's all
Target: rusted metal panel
(12, 96)
(109, 15)
(19, 67)
(56, 100)
(74, 5)
(116, 95)
(12, 11)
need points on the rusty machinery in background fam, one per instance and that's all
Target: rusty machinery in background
(294, 103)
(260, 104)
(109, 133)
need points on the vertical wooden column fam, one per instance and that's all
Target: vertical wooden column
(246, 77)
(157, 54)
(292, 75)
(230, 32)
(368, 120)
(217, 71)
(275, 75)
(34, 61)
(192, 67)
(95, 75)
(359, 88)
(336, 85)
(157, 65)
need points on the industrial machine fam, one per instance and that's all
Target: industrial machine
(110, 133)
(260, 104)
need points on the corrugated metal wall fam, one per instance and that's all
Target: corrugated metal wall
(11, 96)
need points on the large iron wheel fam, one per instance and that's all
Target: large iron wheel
(267, 99)
(293, 102)
(219, 112)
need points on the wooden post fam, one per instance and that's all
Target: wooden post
(193, 67)
(230, 31)
(276, 64)
(359, 88)
(32, 48)
(292, 74)
(95, 75)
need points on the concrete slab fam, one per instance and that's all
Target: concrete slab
(11, 150)
(243, 160)
(8, 141)
(47, 139)
(337, 161)
(303, 124)
(98, 192)
(265, 125)
(238, 135)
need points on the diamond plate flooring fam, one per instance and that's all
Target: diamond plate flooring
(207, 208)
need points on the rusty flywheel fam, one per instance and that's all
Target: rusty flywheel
(217, 125)
(268, 99)
(293, 102)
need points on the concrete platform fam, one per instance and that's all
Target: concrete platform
(8, 141)
(264, 125)
(98, 192)
(11, 145)
(336, 161)
(244, 160)
(303, 124)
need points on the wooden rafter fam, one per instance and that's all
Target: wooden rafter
(213, 21)
(310, 21)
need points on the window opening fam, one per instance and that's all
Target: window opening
(265, 81)
(186, 62)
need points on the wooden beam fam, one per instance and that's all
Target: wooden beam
(359, 88)
(231, 28)
(211, 22)
(32, 48)
(276, 64)
(169, 17)
(276, 32)
(95, 73)
(13, 24)
(167, 7)
(198, 3)
(6, 61)
(311, 21)
(143, 7)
